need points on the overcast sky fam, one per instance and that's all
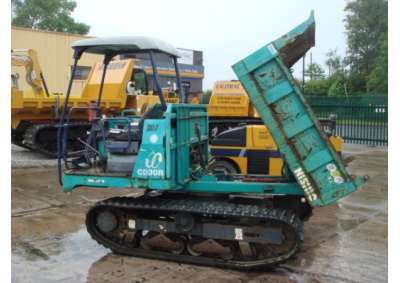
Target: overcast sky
(225, 30)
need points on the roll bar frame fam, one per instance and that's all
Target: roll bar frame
(108, 56)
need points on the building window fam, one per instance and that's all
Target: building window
(81, 72)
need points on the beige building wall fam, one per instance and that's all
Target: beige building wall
(55, 57)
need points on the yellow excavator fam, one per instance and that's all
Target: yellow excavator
(35, 112)
(28, 59)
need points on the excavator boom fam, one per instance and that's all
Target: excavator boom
(28, 59)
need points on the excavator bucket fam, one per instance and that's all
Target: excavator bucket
(293, 45)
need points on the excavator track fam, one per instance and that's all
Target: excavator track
(42, 138)
(165, 229)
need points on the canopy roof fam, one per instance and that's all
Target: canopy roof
(124, 44)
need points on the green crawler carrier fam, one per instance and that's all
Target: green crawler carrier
(186, 213)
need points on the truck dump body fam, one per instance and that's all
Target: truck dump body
(272, 89)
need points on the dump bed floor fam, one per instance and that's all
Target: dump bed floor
(282, 107)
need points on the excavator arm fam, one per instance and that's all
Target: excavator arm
(28, 59)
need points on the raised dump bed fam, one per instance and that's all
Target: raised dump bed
(272, 89)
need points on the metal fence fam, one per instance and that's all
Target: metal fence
(359, 119)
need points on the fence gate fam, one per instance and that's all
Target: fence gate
(359, 119)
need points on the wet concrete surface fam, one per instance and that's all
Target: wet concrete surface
(24, 158)
(343, 243)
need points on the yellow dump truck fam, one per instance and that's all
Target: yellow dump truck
(35, 112)
(230, 106)
(251, 150)
(229, 99)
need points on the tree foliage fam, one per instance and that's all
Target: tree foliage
(366, 21)
(377, 80)
(52, 15)
(334, 63)
(314, 71)
(318, 87)
(365, 68)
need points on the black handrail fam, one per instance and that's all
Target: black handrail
(60, 131)
(156, 81)
(181, 91)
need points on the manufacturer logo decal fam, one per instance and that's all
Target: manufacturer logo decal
(154, 160)
(334, 174)
(152, 164)
(305, 184)
(95, 181)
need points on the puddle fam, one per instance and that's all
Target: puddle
(75, 257)
(54, 259)
(30, 252)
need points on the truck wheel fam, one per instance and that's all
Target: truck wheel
(224, 167)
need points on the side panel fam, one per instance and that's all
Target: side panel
(191, 134)
(150, 163)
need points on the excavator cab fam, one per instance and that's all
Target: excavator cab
(112, 143)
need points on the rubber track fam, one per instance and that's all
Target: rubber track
(30, 137)
(203, 207)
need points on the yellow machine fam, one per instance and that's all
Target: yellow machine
(229, 99)
(35, 112)
(28, 59)
(251, 150)
(230, 106)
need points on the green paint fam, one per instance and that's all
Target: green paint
(267, 79)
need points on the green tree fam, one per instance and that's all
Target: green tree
(377, 80)
(52, 15)
(334, 62)
(317, 87)
(366, 21)
(338, 85)
(336, 74)
(314, 71)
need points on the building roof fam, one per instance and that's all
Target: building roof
(125, 44)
